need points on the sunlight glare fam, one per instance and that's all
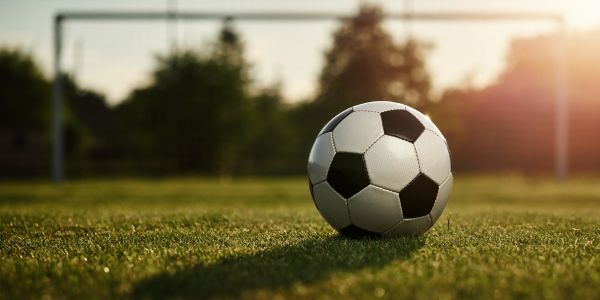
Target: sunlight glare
(583, 13)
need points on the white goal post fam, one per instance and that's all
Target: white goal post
(561, 162)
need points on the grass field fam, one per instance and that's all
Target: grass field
(500, 237)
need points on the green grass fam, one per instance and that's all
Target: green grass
(500, 237)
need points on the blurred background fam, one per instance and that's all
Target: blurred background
(243, 98)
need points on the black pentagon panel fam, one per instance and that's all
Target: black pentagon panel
(336, 120)
(355, 232)
(401, 124)
(348, 174)
(418, 197)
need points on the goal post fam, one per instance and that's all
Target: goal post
(561, 159)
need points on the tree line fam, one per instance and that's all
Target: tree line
(202, 113)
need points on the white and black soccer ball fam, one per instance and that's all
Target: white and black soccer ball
(380, 168)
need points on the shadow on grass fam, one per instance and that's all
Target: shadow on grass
(306, 262)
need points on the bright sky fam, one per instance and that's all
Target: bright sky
(116, 57)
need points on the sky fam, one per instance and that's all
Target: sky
(116, 57)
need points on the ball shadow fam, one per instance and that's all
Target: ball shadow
(306, 262)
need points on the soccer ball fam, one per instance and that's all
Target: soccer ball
(380, 168)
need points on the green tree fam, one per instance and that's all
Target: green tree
(25, 114)
(89, 129)
(192, 116)
(24, 117)
(24, 92)
(272, 139)
(366, 64)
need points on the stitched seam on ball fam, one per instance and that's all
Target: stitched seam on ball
(333, 143)
(418, 161)
(383, 188)
(411, 182)
(439, 186)
(390, 228)
(376, 140)
(436, 134)
(366, 110)
(399, 203)
(445, 143)
(366, 168)
(393, 226)
(365, 158)
(430, 221)
(446, 179)
(378, 112)
(347, 208)
(324, 180)
(334, 153)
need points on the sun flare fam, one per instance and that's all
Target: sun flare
(583, 13)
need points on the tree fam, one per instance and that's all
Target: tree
(24, 118)
(365, 64)
(90, 127)
(25, 115)
(272, 140)
(24, 92)
(192, 116)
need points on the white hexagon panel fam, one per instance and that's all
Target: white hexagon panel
(320, 157)
(434, 157)
(392, 163)
(375, 209)
(379, 106)
(356, 132)
(331, 205)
